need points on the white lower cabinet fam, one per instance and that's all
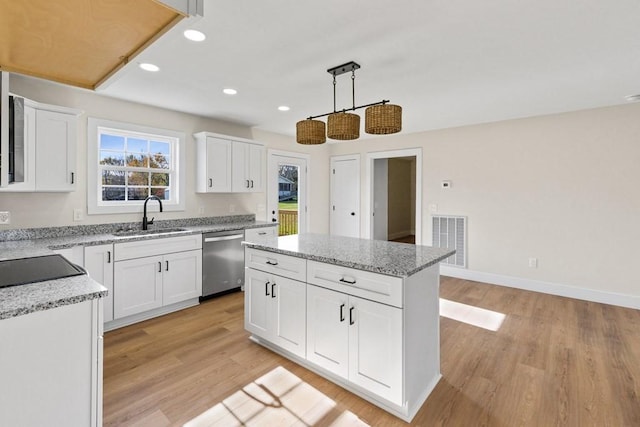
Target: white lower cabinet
(275, 310)
(138, 286)
(155, 277)
(357, 339)
(51, 367)
(98, 261)
(143, 284)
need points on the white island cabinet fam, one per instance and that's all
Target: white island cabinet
(51, 367)
(371, 315)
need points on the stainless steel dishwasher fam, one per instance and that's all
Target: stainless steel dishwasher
(222, 262)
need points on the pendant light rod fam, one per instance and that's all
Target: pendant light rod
(383, 102)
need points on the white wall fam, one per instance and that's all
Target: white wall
(560, 188)
(56, 209)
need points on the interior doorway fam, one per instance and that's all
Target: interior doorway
(287, 191)
(395, 195)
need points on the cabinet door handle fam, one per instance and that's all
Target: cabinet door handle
(343, 280)
(159, 267)
(210, 182)
(251, 183)
(272, 262)
(342, 312)
(266, 288)
(351, 321)
(108, 257)
(73, 178)
(247, 183)
(167, 266)
(273, 290)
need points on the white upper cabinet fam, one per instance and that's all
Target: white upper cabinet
(228, 165)
(50, 139)
(214, 165)
(247, 169)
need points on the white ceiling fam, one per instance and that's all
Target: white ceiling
(447, 63)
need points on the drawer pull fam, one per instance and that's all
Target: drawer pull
(262, 233)
(274, 263)
(351, 321)
(341, 312)
(350, 282)
(273, 290)
(266, 288)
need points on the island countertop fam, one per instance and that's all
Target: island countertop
(377, 256)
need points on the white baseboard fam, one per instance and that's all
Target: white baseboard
(622, 300)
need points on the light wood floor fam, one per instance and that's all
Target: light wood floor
(553, 362)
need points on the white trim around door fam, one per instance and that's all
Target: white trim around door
(369, 188)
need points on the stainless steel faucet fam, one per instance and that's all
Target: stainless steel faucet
(145, 222)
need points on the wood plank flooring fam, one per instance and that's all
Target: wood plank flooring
(553, 362)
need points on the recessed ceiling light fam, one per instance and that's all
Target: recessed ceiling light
(632, 98)
(149, 67)
(194, 35)
(230, 91)
(283, 108)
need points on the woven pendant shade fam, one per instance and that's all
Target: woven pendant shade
(383, 119)
(343, 126)
(310, 132)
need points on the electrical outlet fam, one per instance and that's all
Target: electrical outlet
(533, 262)
(78, 215)
(232, 208)
(201, 210)
(433, 208)
(5, 217)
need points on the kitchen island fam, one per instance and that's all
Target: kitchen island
(361, 313)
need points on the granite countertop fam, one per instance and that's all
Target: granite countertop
(24, 299)
(377, 256)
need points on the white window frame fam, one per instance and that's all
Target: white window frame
(95, 205)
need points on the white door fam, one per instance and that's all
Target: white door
(289, 299)
(55, 151)
(257, 299)
(287, 201)
(375, 348)
(345, 196)
(137, 286)
(218, 165)
(182, 276)
(328, 329)
(98, 261)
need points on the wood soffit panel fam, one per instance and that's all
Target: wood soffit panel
(78, 42)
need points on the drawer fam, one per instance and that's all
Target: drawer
(260, 235)
(152, 247)
(364, 284)
(282, 265)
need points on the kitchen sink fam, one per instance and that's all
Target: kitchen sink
(132, 233)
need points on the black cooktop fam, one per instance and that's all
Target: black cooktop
(36, 269)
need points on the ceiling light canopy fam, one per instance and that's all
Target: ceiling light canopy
(381, 118)
(194, 35)
(229, 91)
(284, 108)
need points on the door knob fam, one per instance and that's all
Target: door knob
(274, 220)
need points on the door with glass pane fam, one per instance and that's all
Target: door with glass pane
(287, 199)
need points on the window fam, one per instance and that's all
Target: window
(128, 163)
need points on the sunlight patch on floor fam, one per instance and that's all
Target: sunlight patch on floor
(278, 398)
(476, 316)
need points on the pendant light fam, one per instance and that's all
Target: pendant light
(381, 118)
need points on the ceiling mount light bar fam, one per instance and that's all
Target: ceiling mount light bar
(381, 118)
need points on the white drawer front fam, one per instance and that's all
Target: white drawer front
(282, 265)
(167, 245)
(260, 235)
(364, 284)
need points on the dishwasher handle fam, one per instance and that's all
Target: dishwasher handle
(218, 239)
